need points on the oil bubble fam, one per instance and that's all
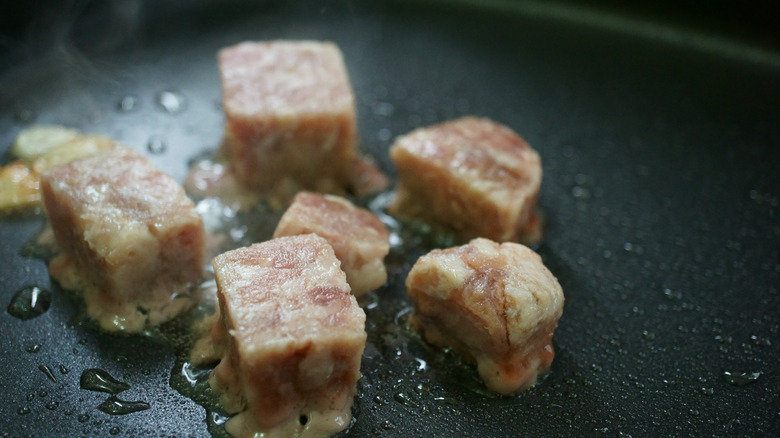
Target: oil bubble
(171, 101)
(29, 302)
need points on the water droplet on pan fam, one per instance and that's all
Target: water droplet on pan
(29, 302)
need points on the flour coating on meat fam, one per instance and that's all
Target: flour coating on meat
(131, 240)
(472, 176)
(292, 335)
(496, 304)
(358, 237)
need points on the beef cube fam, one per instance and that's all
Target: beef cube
(359, 238)
(131, 240)
(290, 116)
(471, 176)
(295, 336)
(496, 304)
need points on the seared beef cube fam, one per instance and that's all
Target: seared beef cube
(294, 334)
(358, 237)
(131, 240)
(471, 176)
(496, 304)
(290, 116)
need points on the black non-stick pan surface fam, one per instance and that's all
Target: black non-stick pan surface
(660, 195)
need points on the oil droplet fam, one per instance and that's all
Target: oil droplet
(52, 405)
(383, 109)
(114, 430)
(24, 116)
(384, 134)
(64, 370)
(46, 370)
(741, 379)
(404, 399)
(764, 342)
(115, 406)
(83, 418)
(157, 145)
(29, 302)
(33, 348)
(23, 411)
(95, 379)
(452, 401)
(171, 101)
(723, 339)
(127, 104)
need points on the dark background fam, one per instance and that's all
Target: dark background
(750, 21)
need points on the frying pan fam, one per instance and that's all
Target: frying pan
(660, 193)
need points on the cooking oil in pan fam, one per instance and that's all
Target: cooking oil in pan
(396, 360)
(115, 406)
(95, 379)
